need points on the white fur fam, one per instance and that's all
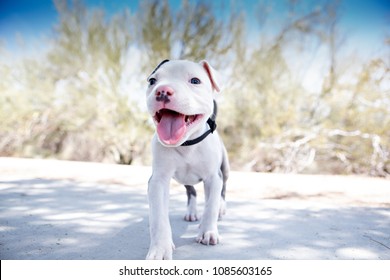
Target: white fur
(186, 164)
(192, 213)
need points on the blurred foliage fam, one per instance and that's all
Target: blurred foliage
(81, 99)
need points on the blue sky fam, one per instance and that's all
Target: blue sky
(31, 21)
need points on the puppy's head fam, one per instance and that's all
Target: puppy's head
(180, 99)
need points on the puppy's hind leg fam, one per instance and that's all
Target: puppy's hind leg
(222, 206)
(225, 175)
(191, 215)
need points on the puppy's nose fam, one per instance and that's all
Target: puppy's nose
(164, 90)
(163, 93)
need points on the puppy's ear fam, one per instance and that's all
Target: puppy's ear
(158, 66)
(214, 75)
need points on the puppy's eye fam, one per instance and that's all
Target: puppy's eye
(152, 81)
(195, 81)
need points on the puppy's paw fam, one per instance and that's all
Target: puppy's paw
(161, 252)
(191, 217)
(208, 238)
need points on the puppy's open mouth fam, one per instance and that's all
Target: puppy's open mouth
(172, 125)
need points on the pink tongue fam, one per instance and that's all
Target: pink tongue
(171, 127)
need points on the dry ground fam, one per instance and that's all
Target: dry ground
(72, 210)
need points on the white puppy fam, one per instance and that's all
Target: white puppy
(180, 98)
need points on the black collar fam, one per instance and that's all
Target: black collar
(211, 122)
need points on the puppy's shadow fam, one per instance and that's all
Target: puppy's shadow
(184, 233)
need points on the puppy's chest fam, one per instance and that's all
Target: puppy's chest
(190, 174)
(193, 171)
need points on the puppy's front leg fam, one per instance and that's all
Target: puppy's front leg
(208, 231)
(161, 244)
